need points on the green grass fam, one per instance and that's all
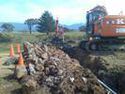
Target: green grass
(21, 37)
(4, 47)
(74, 35)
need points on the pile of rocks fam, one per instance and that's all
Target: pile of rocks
(51, 71)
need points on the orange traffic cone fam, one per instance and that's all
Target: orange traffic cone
(11, 51)
(18, 49)
(20, 61)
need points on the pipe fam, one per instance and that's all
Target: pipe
(109, 89)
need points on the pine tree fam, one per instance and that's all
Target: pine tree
(46, 23)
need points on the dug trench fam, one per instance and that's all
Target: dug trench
(107, 66)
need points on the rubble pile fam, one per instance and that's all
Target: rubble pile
(51, 71)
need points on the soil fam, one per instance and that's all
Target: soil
(51, 71)
(107, 66)
(7, 84)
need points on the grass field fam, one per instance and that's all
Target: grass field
(21, 37)
(74, 35)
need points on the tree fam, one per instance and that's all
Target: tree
(7, 27)
(30, 23)
(46, 23)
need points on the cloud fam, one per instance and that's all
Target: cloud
(115, 7)
(16, 13)
(34, 11)
(68, 15)
(9, 13)
(13, 13)
(68, 11)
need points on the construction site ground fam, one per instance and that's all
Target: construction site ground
(114, 62)
(107, 66)
(7, 84)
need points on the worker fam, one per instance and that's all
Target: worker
(61, 31)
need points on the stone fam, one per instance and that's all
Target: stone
(20, 71)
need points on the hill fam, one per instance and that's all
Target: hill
(74, 26)
(22, 26)
(18, 26)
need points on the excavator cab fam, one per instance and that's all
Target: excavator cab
(94, 19)
(93, 16)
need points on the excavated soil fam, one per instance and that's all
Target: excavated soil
(107, 66)
(51, 71)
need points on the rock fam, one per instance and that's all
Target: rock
(39, 67)
(31, 84)
(84, 79)
(20, 71)
(45, 56)
(40, 61)
(32, 69)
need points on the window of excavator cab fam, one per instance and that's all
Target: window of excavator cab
(90, 17)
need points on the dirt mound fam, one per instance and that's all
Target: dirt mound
(51, 71)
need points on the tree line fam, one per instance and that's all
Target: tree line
(46, 23)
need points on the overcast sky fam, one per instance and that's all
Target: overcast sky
(68, 11)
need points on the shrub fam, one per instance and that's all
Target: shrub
(6, 37)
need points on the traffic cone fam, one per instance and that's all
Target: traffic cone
(18, 49)
(20, 61)
(11, 51)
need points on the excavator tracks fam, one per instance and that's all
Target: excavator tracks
(102, 46)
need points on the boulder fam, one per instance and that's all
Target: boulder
(20, 71)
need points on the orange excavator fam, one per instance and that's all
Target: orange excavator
(104, 32)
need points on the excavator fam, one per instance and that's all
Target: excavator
(103, 31)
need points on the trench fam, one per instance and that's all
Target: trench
(111, 73)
